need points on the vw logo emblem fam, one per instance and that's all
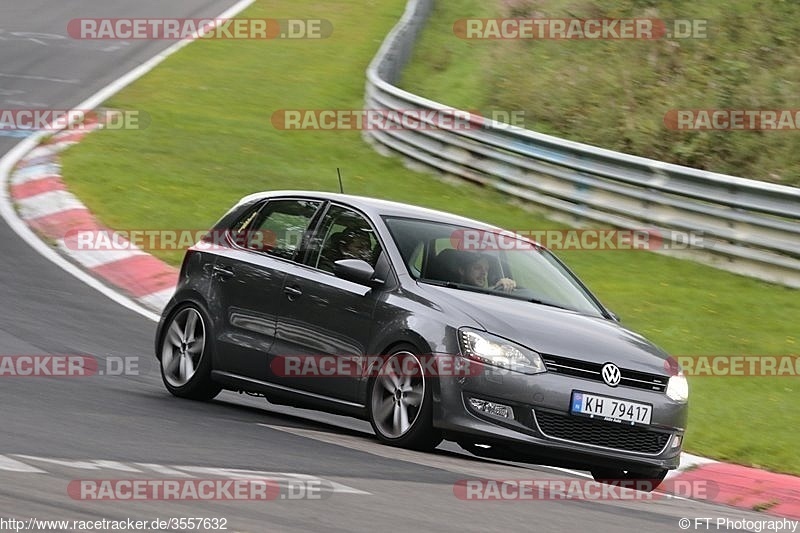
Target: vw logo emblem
(611, 374)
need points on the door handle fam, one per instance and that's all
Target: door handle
(223, 273)
(292, 292)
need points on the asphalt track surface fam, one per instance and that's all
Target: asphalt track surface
(55, 430)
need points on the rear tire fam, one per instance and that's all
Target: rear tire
(186, 350)
(400, 405)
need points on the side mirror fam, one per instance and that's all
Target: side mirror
(614, 316)
(357, 271)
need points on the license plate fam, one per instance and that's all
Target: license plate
(610, 409)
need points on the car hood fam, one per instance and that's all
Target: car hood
(554, 331)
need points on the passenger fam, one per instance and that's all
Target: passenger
(475, 271)
(355, 244)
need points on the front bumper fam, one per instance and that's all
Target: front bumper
(543, 427)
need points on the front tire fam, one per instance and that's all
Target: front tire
(185, 351)
(400, 404)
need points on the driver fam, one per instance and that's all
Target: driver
(475, 271)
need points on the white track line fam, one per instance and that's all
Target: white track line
(12, 465)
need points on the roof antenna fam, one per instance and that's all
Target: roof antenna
(339, 172)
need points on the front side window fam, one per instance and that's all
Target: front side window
(279, 227)
(343, 234)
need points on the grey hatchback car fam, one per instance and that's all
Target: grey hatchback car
(407, 318)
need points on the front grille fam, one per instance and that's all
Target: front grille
(588, 370)
(605, 434)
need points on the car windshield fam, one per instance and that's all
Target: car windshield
(491, 261)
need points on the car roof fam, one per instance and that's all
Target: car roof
(376, 207)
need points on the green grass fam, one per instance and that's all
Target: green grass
(615, 94)
(210, 142)
(765, 506)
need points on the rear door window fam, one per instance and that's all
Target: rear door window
(280, 227)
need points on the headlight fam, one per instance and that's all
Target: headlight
(678, 388)
(496, 351)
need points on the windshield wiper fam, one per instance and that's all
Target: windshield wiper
(548, 304)
(454, 285)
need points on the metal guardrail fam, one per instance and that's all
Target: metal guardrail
(746, 226)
